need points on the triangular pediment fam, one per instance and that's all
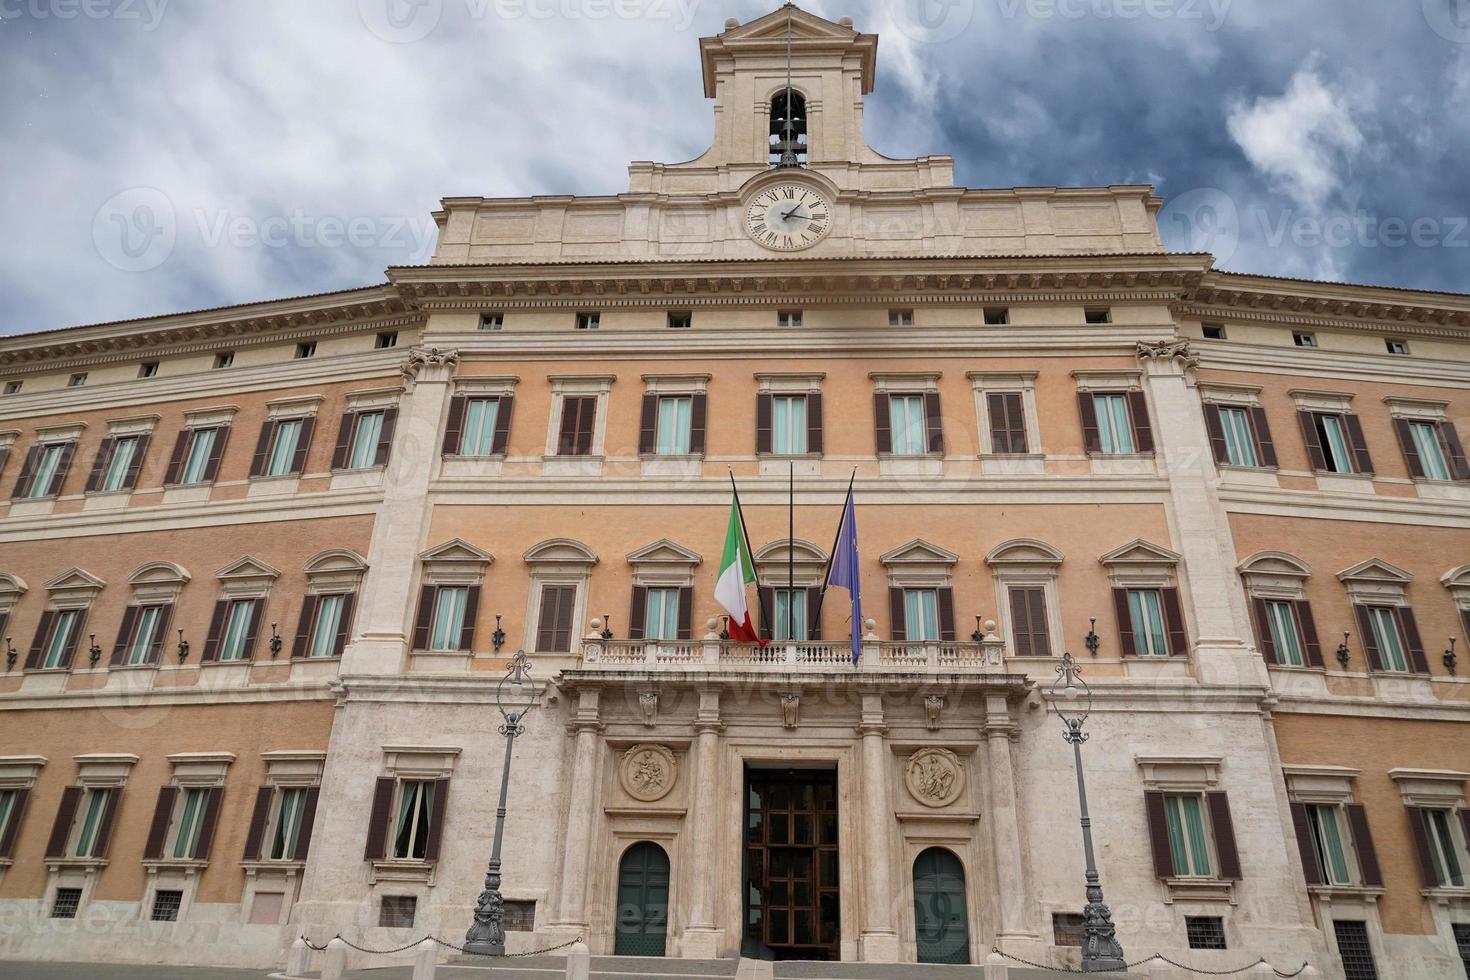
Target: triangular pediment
(1375, 570)
(73, 578)
(766, 36)
(1140, 552)
(1023, 551)
(804, 26)
(664, 552)
(560, 551)
(457, 550)
(919, 552)
(247, 567)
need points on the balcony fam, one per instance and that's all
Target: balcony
(818, 656)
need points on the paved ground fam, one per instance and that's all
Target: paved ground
(110, 971)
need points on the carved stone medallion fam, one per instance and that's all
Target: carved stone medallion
(934, 777)
(648, 772)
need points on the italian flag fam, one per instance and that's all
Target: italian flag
(736, 571)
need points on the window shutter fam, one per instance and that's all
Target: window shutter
(698, 422)
(898, 627)
(454, 427)
(165, 617)
(1363, 841)
(27, 473)
(1304, 618)
(1174, 622)
(1465, 625)
(1021, 622)
(104, 826)
(1409, 626)
(344, 624)
(1263, 630)
(213, 797)
(813, 613)
(765, 597)
(814, 423)
(546, 622)
(686, 612)
(1428, 876)
(425, 618)
(1125, 623)
(1314, 444)
(377, 835)
(471, 616)
(163, 812)
(945, 597)
(124, 636)
(1370, 645)
(586, 424)
(66, 814)
(256, 605)
(216, 628)
(1158, 834)
(1265, 447)
(1091, 441)
(385, 437)
(344, 440)
(38, 643)
(1459, 466)
(763, 411)
(216, 453)
(882, 422)
(566, 437)
(1362, 462)
(303, 627)
(12, 829)
(1143, 433)
(255, 836)
(436, 820)
(638, 613)
(4, 457)
(263, 447)
(1028, 621)
(565, 607)
(933, 421)
(1007, 422)
(73, 640)
(1406, 443)
(68, 451)
(308, 824)
(303, 444)
(1224, 829)
(1301, 823)
(1216, 430)
(504, 405)
(648, 424)
(140, 455)
(99, 464)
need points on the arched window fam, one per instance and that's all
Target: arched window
(941, 921)
(788, 128)
(643, 901)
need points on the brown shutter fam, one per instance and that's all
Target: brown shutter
(1216, 429)
(1224, 829)
(1158, 834)
(1125, 623)
(73, 640)
(1363, 841)
(763, 411)
(454, 427)
(263, 447)
(59, 480)
(586, 424)
(1308, 624)
(216, 453)
(1143, 433)
(27, 473)
(1007, 422)
(1362, 462)
(1091, 441)
(882, 422)
(344, 624)
(1428, 876)
(1174, 622)
(1028, 621)
(104, 826)
(813, 613)
(648, 425)
(255, 836)
(385, 436)
(303, 444)
(1406, 443)
(814, 423)
(1459, 466)
(140, 455)
(38, 643)
(163, 813)
(248, 651)
(686, 612)
(565, 607)
(213, 797)
(4, 457)
(1021, 622)
(945, 602)
(546, 621)
(1263, 630)
(12, 829)
(308, 824)
(124, 636)
(99, 464)
(343, 447)
(934, 422)
(1370, 645)
(1409, 626)
(176, 458)
(425, 619)
(377, 835)
(66, 815)
(638, 613)
(436, 820)
(1313, 442)
(1040, 633)
(165, 619)
(1301, 823)
(303, 627)
(1265, 447)
(216, 627)
(765, 597)
(698, 422)
(504, 405)
(566, 436)
(898, 627)
(471, 617)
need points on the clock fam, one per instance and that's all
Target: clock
(787, 217)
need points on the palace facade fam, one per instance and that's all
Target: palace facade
(263, 568)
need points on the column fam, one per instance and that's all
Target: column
(702, 941)
(878, 942)
(570, 919)
(1005, 826)
(385, 604)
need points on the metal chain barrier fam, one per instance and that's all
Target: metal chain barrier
(1162, 957)
(442, 942)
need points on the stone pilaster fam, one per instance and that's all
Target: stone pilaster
(701, 939)
(1005, 824)
(878, 942)
(569, 920)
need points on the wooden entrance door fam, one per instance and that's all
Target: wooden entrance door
(643, 901)
(791, 863)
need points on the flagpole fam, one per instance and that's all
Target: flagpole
(740, 512)
(827, 572)
(790, 548)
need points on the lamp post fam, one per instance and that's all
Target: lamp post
(486, 935)
(1100, 949)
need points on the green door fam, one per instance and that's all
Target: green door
(643, 901)
(940, 920)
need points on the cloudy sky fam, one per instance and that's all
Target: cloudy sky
(162, 155)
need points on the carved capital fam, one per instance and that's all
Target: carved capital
(1172, 352)
(429, 363)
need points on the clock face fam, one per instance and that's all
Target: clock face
(787, 217)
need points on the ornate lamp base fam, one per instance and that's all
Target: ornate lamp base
(1100, 949)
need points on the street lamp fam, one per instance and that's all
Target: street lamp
(1100, 949)
(486, 935)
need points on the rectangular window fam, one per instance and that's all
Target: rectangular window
(921, 615)
(1449, 868)
(148, 369)
(1097, 314)
(788, 425)
(554, 628)
(792, 601)
(680, 319)
(196, 460)
(291, 801)
(413, 815)
(123, 452)
(283, 447)
(48, 468)
(1114, 426)
(1007, 421)
(398, 911)
(1388, 639)
(68, 900)
(386, 340)
(906, 419)
(492, 321)
(1066, 928)
(900, 318)
(1029, 631)
(12, 387)
(92, 811)
(673, 425)
(1145, 611)
(998, 316)
(478, 437)
(788, 318)
(1205, 931)
(166, 905)
(145, 633)
(77, 380)
(237, 629)
(1397, 346)
(1431, 453)
(1213, 331)
(1188, 840)
(324, 631)
(1327, 838)
(449, 610)
(365, 436)
(1355, 950)
(578, 418)
(661, 615)
(306, 348)
(1332, 434)
(190, 822)
(1303, 339)
(224, 360)
(1281, 616)
(61, 638)
(520, 916)
(589, 320)
(1240, 446)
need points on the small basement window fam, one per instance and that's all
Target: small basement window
(1097, 314)
(1302, 339)
(148, 369)
(492, 321)
(397, 911)
(166, 905)
(68, 900)
(900, 318)
(386, 340)
(1066, 928)
(680, 319)
(1214, 331)
(12, 387)
(1397, 346)
(997, 316)
(1205, 931)
(224, 359)
(77, 380)
(589, 320)
(306, 349)
(520, 916)
(788, 318)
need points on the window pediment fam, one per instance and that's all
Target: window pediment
(1430, 787)
(775, 560)
(246, 577)
(335, 570)
(919, 563)
(1275, 574)
(1180, 772)
(12, 587)
(73, 588)
(455, 562)
(1457, 580)
(1023, 551)
(1140, 552)
(560, 553)
(1375, 580)
(1139, 564)
(157, 581)
(663, 562)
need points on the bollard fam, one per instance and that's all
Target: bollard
(1263, 971)
(1158, 970)
(579, 961)
(298, 961)
(1309, 972)
(336, 960)
(995, 967)
(425, 960)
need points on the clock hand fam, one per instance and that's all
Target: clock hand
(788, 214)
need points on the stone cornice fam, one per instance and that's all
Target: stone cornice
(1266, 299)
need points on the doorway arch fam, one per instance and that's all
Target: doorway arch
(642, 920)
(941, 917)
